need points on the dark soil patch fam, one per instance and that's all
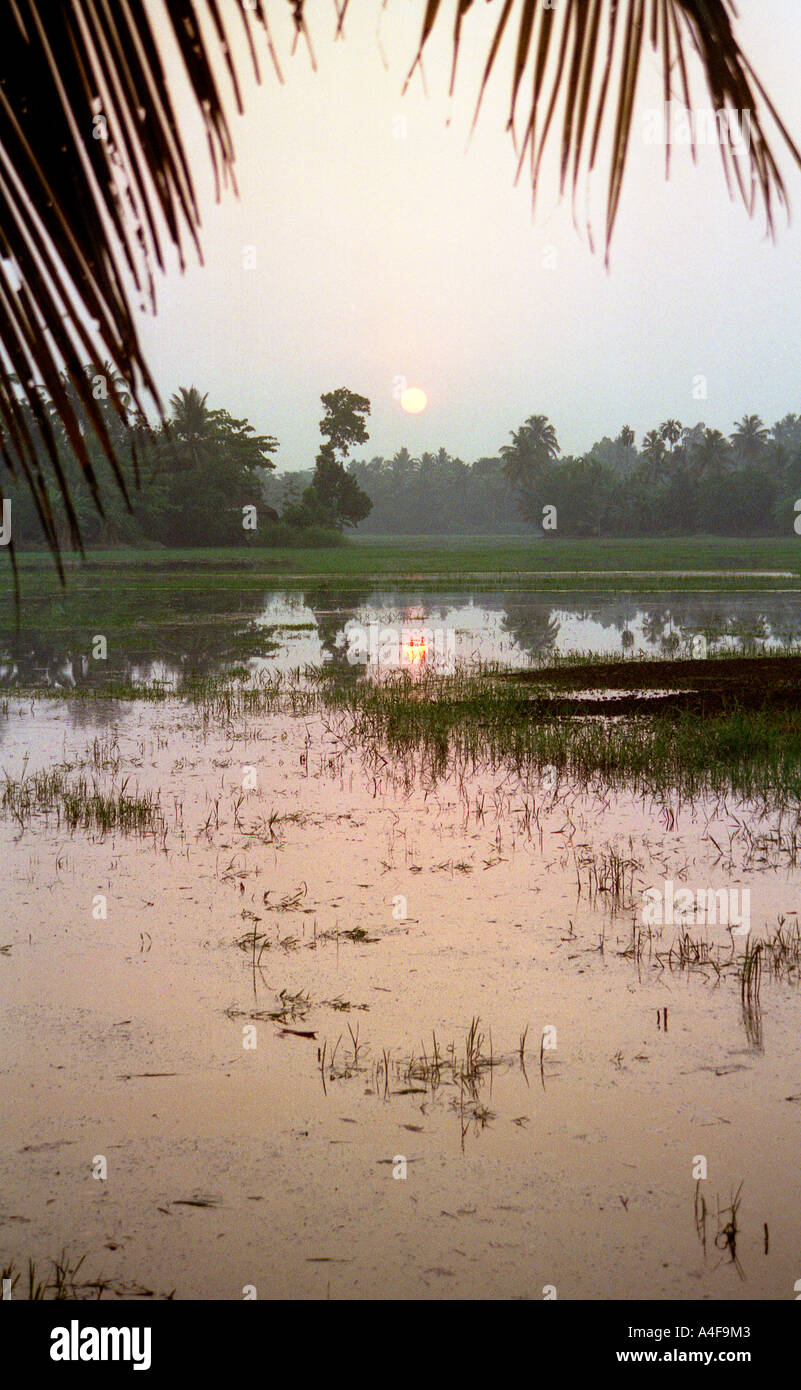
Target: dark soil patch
(710, 686)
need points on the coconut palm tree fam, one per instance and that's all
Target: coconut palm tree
(711, 455)
(653, 450)
(533, 447)
(190, 436)
(96, 176)
(785, 440)
(671, 432)
(749, 437)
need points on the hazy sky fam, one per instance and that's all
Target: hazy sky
(388, 245)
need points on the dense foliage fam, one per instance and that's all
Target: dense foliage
(202, 477)
(679, 481)
(196, 479)
(333, 497)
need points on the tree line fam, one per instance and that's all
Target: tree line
(679, 480)
(202, 477)
(197, 478)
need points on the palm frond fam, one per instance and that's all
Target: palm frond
(579, 52)
(92, 164)
(94, 174)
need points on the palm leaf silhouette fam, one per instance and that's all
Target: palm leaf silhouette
(94, 173)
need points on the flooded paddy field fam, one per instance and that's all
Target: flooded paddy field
(359, 990)
(174, 627)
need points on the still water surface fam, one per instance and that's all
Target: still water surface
(165, 634)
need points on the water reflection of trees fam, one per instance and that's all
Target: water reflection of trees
(533, 622)
(533, 625)
(333, 608)
(161, 631)
(667, 626)
(178, 633)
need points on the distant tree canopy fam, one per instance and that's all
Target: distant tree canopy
(334, 497)
(533, 448)
(207, 467)
(188, 479)
(437, 494)
(681, 481)
(202, 477)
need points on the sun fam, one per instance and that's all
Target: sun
(414, 399)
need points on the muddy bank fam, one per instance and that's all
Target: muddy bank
(699, 687)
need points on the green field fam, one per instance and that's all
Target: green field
(203, 609)
(690, 563)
